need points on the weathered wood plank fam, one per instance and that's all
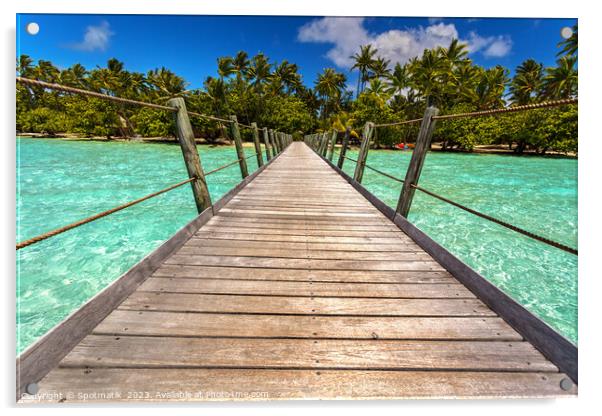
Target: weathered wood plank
(348, 276)
(313, 239)
(174, 324)
(125, 351)
(186, 302)
(203, 250)
(255, 384)
(300, 245)
(284, 288)
(262, 262)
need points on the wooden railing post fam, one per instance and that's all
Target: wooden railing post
(363, 153)
(192, 160)
(423, 142)
(279, 141)
(322, 143)
(344, 147)
(235, 132)
(324, 146)
(257, 144)
(333, 142)
(273, 143)
(268, 146)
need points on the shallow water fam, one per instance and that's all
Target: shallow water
(62, 181)
(538, 194)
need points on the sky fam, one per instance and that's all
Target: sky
(190, 45)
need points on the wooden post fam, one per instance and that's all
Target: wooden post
(322, 138)
(423, 142)
(363, 154)
(278, 138)
(238, 143)
(257, 145)
(185, 135)
(333, 142)
(281, 140)
(344, 147)
(273, 143)
(268, 146)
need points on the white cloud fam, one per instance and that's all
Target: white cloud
(433, 20)
(501, 46)
(347, 34)
(95, 38)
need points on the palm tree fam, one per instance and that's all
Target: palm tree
(569, 46)
(240, 65)
(527, 82)
(363, 60)
(225, 67)
(259, 71)
(215, 89)
(491, 87)
(330, 86)
(377, 86)
(426, 75)
(166, 83)
(75, 76)
(399, 80)
(379, 68)
(24, 66)
(455, 53)
(561, 81)
(284, 77)
(45, 71)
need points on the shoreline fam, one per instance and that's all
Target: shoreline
(500, 150)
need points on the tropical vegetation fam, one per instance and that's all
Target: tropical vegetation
(273, 94)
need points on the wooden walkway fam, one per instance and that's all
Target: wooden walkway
(300, 288)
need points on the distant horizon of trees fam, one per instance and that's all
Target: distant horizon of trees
(273, 95)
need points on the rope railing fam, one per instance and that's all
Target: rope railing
(223, 120)
(227, 165)
(72, 90)
(87, 220)
(545, 104)
(384, 174)
(376, 170)
(399, 123)
(499, 222)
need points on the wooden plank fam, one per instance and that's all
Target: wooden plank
(174, 324)
(287, 288)
(126, 351)
(204, 250)
(313, 239)
(92, 385)
(348, 276)
(259, 262)
(186, 302)
(326, 233)
(296, 213)
(300, 245)
(256, 384)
